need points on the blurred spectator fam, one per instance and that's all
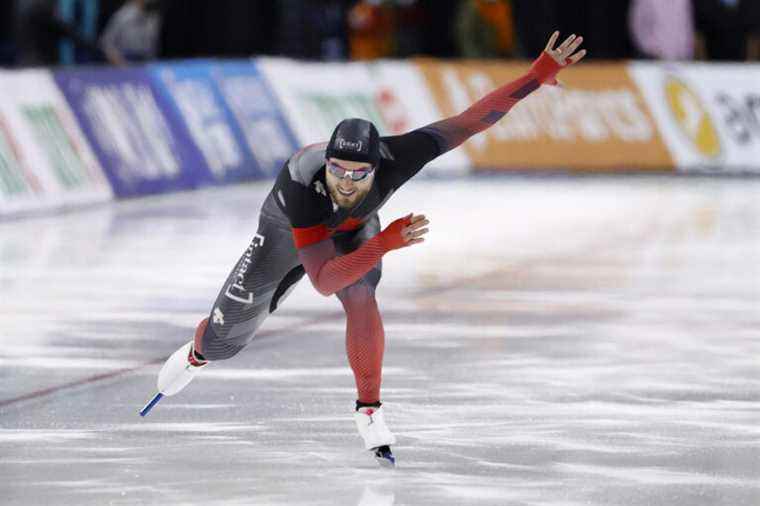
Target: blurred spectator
(485, 29)
(663, 30)
(47, 32)
(132, 32)
(82, 15)
(726, 27)
(371, 29)
(44, 37)
(106, 11)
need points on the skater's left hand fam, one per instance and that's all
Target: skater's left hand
(565, 54)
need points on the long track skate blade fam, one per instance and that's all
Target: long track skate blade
(144, 411)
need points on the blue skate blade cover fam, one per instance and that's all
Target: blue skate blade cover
(152, 403)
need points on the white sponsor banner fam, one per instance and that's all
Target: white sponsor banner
(393, 95)
(45, 160)
(708, 114)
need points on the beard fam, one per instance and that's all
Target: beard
(347, 202)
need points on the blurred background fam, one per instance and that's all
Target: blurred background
(69, 32)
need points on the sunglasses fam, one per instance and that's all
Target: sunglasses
(355, 175)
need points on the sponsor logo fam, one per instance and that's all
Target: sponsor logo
(236, 290)
(129, 127)
(15, 179)
(218, 316)
(393, 111)
(322, 111)
(208, 126)
(569, 116)
(741, 116)
(320, 188)
(692, 117)
(60, 147)
(345, 145)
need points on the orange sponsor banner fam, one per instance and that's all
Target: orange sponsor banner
(597, 121)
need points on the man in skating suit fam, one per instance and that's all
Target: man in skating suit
(320, 219)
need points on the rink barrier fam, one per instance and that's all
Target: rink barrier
(180, 125)
(708, 114)
(76, 136)
(394, 95)
(45, 160)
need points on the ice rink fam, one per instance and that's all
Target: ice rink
(556, 341)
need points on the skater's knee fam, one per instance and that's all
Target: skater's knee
(359, 294)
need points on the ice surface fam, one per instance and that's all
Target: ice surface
(557, 340)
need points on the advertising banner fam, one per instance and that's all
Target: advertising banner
(709, 114)
(45, 160)
(317, 96)
(257, 114)
(598, 119)
(140, 140)
(189, 89)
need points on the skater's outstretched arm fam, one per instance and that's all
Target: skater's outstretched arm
(330, 273)
(453, 131)
(415, 149)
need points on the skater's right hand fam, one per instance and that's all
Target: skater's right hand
(404, 232)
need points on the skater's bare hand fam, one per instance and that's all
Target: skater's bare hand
(565, 54)
(413, 232)
(404, 232)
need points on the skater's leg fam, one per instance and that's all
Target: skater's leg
(209, 345)
(365, 336)
(242, 306)
(262, 277)
(365, 340)
(365, 345)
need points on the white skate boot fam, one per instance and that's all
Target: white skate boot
(377, 437)
(177, 372)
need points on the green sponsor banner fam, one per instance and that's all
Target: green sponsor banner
(12, 180)
(68, 167)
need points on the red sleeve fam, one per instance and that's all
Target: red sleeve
(303, 237)
(330, 273)
(451, 132)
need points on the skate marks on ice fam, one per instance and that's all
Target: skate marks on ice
(597, 345)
